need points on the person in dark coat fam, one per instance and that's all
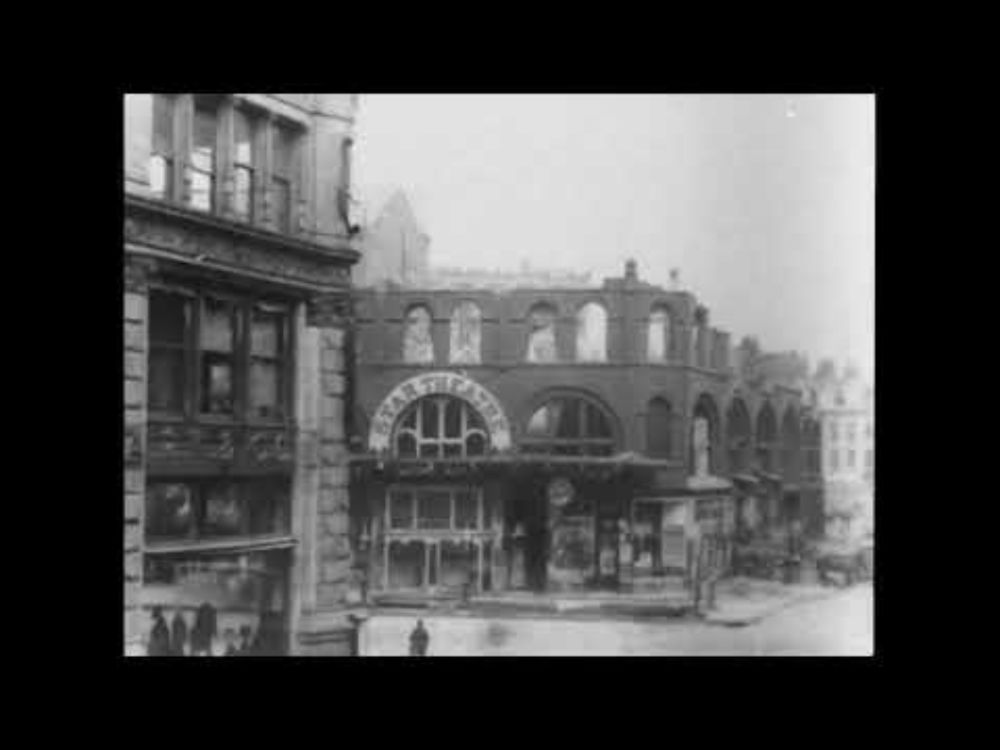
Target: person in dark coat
(178, 634)
(159, 636)
(419, 640)
(204, 630)
(246, 640)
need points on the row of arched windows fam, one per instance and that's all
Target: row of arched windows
(465, 339)
(575, 424)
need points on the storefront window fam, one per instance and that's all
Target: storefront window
(204, 604)
(206, 509)
(436, 538)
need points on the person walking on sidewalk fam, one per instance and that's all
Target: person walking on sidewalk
(419, 640)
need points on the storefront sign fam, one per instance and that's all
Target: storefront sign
(560, 492)
(443, 383)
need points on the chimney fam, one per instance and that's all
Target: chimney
(631, 274)
(675, 279)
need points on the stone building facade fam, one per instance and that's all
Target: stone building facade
(845, 407)
(557, 438)
(237, 267)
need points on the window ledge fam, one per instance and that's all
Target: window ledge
(241, 544)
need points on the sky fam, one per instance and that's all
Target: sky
(764, 203)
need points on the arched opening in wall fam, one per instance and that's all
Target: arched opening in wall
(739, 437)
(659, 425)
(418, 344)
(704, 437)
(658, 334)
(570, 425)
(592, 333)
(440, 427)
(791, 443)
(767, 437)
(542, 334)
(466, 334)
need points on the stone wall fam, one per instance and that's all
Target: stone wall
(134, 475)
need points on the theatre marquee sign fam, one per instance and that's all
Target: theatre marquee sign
(438, 383)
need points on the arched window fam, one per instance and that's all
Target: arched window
(418, 346)
(591, 333)
(791, 443)
(767, 437)
(440, 427)
(658, 336)
(542, 334)
(704, 436)
(569, 426)
(659, 424)
(738, 437)
(466, 334)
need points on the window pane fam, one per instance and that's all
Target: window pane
(267, 507)
(458, 564)
(203, 146)
(160, 176)
(217, 327)
(401, 510)
(163, 124)
(433, 509)
(243, 192)
(569, 424)
(429, 415)
(167, 317)
(453, 419)
(243, 139)
(597, 423)
(264, 389)
(656, 345)
(200, 195)
(169, 510)
(406, 445)
(431, 450)
(223, 511)
(475, 445)
(283, 151)
(265, 334)
(281, 196)
(406, 564)
(216, 385)
(466, 511)
(166, 380)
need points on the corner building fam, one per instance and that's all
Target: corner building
(542, 439)
(237, 273)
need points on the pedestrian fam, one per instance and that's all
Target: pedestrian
(203, 633)
(159, 636)
(178, 634)
(246, 641)
(419, 640)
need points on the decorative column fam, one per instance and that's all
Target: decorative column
(324, 629)
(135, 316)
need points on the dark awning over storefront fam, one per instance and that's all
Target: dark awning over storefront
(593, 467)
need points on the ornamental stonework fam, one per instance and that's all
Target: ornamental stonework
(215, 247)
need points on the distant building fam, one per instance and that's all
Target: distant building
(845, 405)
(394, 246)
(396, 253)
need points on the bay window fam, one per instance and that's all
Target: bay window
(220, 356)
(202, 142)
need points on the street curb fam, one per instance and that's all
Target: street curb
(738, 622)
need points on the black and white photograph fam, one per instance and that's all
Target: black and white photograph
(460, 374)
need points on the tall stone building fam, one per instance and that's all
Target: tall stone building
(237, 273)
(845, 405)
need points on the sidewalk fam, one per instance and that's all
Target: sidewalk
(745, 601)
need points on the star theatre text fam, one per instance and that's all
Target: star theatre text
(439, 383)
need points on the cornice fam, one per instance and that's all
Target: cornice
(341, 252)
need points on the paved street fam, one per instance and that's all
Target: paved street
(840, 624)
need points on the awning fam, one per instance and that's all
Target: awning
(708, 483)
(746, 479)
